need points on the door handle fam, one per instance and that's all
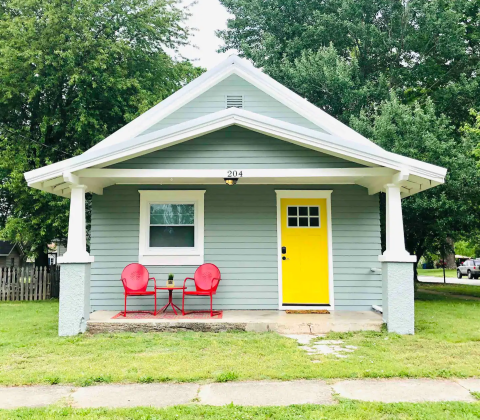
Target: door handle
(284, 249)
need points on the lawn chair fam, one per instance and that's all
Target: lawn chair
(135, 281)
(206, 278)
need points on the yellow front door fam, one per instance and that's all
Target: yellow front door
(304, 251)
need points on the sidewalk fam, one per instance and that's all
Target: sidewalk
(259, 393)
(429, 279)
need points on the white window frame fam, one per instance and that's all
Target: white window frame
(175, 255)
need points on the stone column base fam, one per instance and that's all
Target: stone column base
(398, 297)
(74, 308)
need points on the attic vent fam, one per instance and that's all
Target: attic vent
(234, 101)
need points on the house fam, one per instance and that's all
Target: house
(55, 250)
(238, 170)
(11, 255)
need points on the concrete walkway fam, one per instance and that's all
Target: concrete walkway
(253, 393)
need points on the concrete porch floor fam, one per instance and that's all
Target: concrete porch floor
(257, 321)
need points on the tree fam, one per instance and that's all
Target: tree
(413, 130)
(420, 47)
(346, 56)
(71, 73)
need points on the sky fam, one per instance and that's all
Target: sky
(207, 17)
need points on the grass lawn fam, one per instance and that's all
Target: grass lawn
(344, 410)
(437, 272)
(31, 352)
(456, 289)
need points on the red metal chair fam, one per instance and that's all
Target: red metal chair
(135, 281)
(206, 278)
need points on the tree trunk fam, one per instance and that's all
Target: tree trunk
(41, 260)
(450, 254)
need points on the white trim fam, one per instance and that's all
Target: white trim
(234, 116)
(327, 194)
(246, 173)
(171, 256)
(77, 240)
(403, 257)
(244, 69)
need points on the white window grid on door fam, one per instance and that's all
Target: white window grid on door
(309, 216)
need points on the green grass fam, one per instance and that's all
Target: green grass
(345, 410)
(446, 345)
(456, 289)
(437, 272)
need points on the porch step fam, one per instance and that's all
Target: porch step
(256, 321)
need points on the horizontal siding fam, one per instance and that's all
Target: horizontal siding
(240, 237)
(213, 100)
(234, 148)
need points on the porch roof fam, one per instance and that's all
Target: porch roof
(411, 174)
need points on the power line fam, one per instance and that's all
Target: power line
(37, 142)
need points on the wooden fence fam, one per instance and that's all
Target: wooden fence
(29, 283)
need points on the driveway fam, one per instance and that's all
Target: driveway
(426, 279)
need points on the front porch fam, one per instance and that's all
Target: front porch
(253, 320)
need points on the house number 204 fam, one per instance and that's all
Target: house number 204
(235, 174)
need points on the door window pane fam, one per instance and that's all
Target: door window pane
(303, 221)
(292, 211)
(292, 221)
(303, 211)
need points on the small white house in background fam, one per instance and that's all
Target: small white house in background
(282, 197)
(11, 255)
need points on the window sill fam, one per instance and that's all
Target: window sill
(171, 259)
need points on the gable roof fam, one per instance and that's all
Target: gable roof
(6, 248)
(337, 139)
(244, 69)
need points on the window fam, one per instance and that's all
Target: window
(303, 216)
(171, 227)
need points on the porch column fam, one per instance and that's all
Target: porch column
(74, 308)
(397, 269)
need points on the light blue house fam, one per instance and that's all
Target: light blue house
(237, 170)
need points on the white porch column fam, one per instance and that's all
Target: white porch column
(397, 269)
(74, 308)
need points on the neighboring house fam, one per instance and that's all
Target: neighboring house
(55, 250)
(11, 255)
(300, 229)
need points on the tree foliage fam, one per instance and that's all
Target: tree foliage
(420, 47)
(404, 73)
(71, 73)
(413, 130)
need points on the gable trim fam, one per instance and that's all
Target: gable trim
(234, 116)
(245, 70)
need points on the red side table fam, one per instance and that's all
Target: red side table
(170, 301)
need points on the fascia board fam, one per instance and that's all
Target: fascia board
(212, 122)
